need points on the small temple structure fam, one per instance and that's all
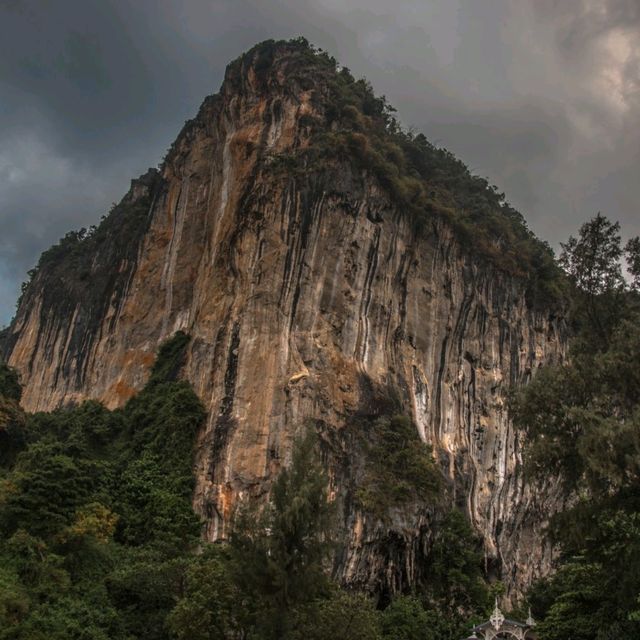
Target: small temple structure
(500, 628)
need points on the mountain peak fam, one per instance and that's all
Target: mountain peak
(274, 64)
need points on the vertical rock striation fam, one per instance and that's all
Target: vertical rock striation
(301, 293)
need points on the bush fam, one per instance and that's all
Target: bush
(9, 383)
(398, 466)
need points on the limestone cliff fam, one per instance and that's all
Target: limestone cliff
(304, 285)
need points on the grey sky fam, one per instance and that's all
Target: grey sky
(540, 96)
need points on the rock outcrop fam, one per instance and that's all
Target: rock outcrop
(302, 292)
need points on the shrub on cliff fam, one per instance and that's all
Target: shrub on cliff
(9, 383)
(398, 466)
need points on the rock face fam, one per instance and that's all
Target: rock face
(301, 294)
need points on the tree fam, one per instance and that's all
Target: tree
(592, 261)
(632, 253)
(43, 491)
(279, 553)
(575, 597)
(406, 619)
(342, 616)
(209, 608)
(14, 601)
(582, 418)
(454, 569)
(582, 422)
(143, 589)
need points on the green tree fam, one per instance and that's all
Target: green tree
(406, 619)
(632, 253)
(143, 589)
(570, 602)
(279, 554)
(592, 261)
(582, 422)
(14, 600)
(210, 608)
(44, 490)
(341, 616)
(454, 569)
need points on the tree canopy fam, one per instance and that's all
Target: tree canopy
(582, 420)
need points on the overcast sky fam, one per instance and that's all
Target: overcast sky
(540, 96)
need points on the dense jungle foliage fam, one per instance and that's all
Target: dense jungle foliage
(98, 539)
(96, 524)
(582, 419)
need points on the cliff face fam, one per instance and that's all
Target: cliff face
(302, 293)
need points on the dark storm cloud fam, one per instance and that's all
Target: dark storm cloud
(541, 97)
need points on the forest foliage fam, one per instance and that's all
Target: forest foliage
(582, 420)
(96, 523)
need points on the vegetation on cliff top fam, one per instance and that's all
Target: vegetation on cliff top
(425, 181)
(82, 266)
